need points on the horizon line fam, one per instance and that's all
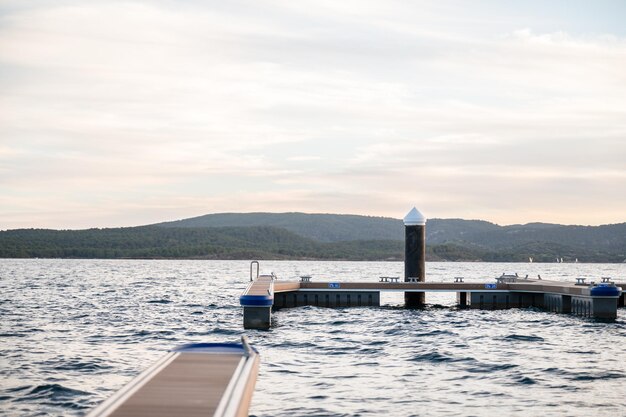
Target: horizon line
(311, 213)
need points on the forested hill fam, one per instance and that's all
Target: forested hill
(321, 236)
(319, 227)
(531, 239)
(251, 242)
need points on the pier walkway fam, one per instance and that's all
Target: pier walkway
(597, 300)
(204, 379)
(521, 284)
(258, 299)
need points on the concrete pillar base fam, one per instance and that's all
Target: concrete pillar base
(605, 308)
(330, 299)
(557, 303)
(461, 299)
(414, 299)
(499, 300)
(257, 317)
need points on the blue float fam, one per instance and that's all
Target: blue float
(256, 300)
(211, 348)
(605, 290)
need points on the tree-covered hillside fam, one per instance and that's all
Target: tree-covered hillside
(606, 237)
(199, 243)
(479, 235)
(319, 227)
(322, 236)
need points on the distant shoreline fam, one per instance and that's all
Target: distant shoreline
(302, 260)
(300, 236)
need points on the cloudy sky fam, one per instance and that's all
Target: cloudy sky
(121, 113)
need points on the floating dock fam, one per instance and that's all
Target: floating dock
(508, 291)
(595, 300)
(258, 299)
(204, 379)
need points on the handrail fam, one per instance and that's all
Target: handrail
(248, 350)
(257, 269)
(233, 396)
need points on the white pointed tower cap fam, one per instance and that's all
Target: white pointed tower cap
(414, 218)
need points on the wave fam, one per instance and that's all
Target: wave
(484, 368)
(585, 375)
(82, 366)
(12, 335)
(54, 394)
(436, 357)
(435, 333)
(523, 338)
(161, 301)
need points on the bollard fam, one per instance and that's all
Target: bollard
(414, 254)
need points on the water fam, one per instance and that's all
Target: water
(75, 331)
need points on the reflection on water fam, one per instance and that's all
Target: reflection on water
(74, 331)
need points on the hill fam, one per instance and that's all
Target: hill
(542, 241)
(321, 236)
(472, 239)
(254, 242)
(319, 227)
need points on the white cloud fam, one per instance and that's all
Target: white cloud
(304, 106)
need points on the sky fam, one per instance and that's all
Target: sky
(123, 113)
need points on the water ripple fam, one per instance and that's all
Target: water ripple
(74, 331)
(523, 338)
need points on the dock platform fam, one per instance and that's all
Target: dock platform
(257, 300)
(204, 379)
(599, 301)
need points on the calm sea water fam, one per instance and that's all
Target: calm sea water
(75, 331)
